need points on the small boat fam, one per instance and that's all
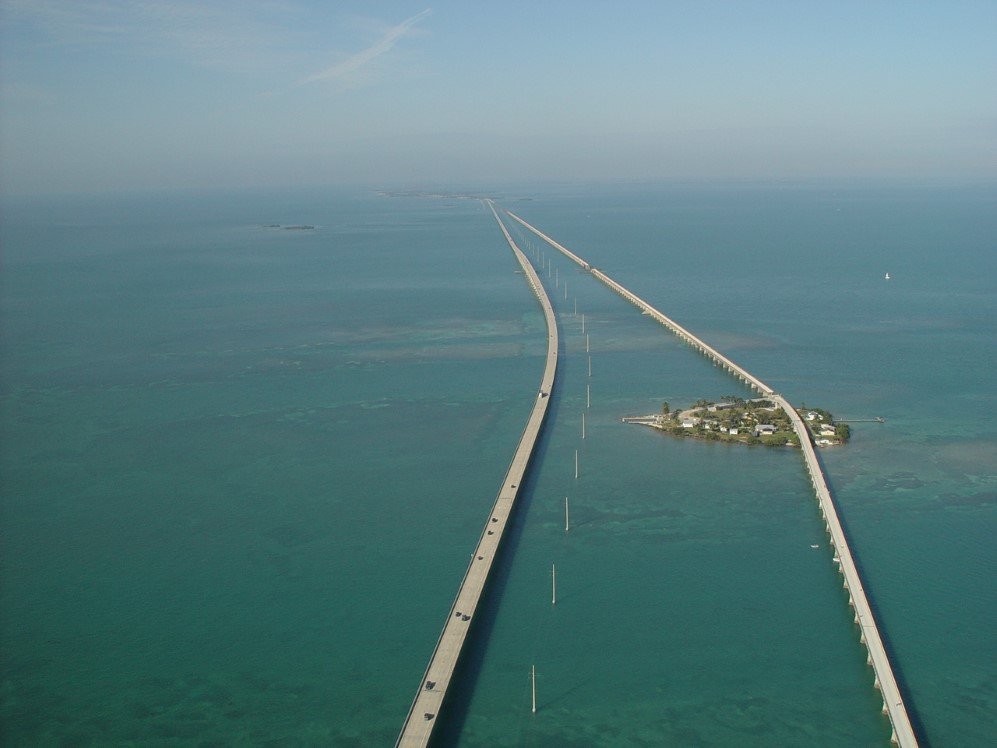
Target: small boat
(814, 545)
(886, 277)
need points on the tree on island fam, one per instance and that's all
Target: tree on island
(665, 408)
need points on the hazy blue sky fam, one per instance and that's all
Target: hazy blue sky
(110, 94)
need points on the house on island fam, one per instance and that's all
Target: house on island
(827, 429)
(764, 429)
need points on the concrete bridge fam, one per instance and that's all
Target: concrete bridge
(883, 677)
(428, 702)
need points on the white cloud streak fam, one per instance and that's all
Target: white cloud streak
(352, 65)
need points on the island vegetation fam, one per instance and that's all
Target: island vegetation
(754, 421)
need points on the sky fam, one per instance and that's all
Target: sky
(108, 95)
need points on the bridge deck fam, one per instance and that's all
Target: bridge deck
(883, 679)
(425, 709)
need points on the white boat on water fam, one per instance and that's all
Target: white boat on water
(887, 277)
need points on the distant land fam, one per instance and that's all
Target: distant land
(431, 194)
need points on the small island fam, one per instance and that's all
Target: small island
(755, 421)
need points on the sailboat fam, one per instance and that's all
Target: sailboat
(886, 277)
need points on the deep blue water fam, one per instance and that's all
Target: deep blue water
(243, 466)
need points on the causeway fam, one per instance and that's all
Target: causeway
(883, 678)
(424, 712)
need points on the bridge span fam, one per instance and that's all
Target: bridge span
(424, 712)
(883, 677)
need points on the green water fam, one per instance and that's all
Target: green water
(242, 468)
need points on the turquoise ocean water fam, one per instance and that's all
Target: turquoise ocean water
(243, 466)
